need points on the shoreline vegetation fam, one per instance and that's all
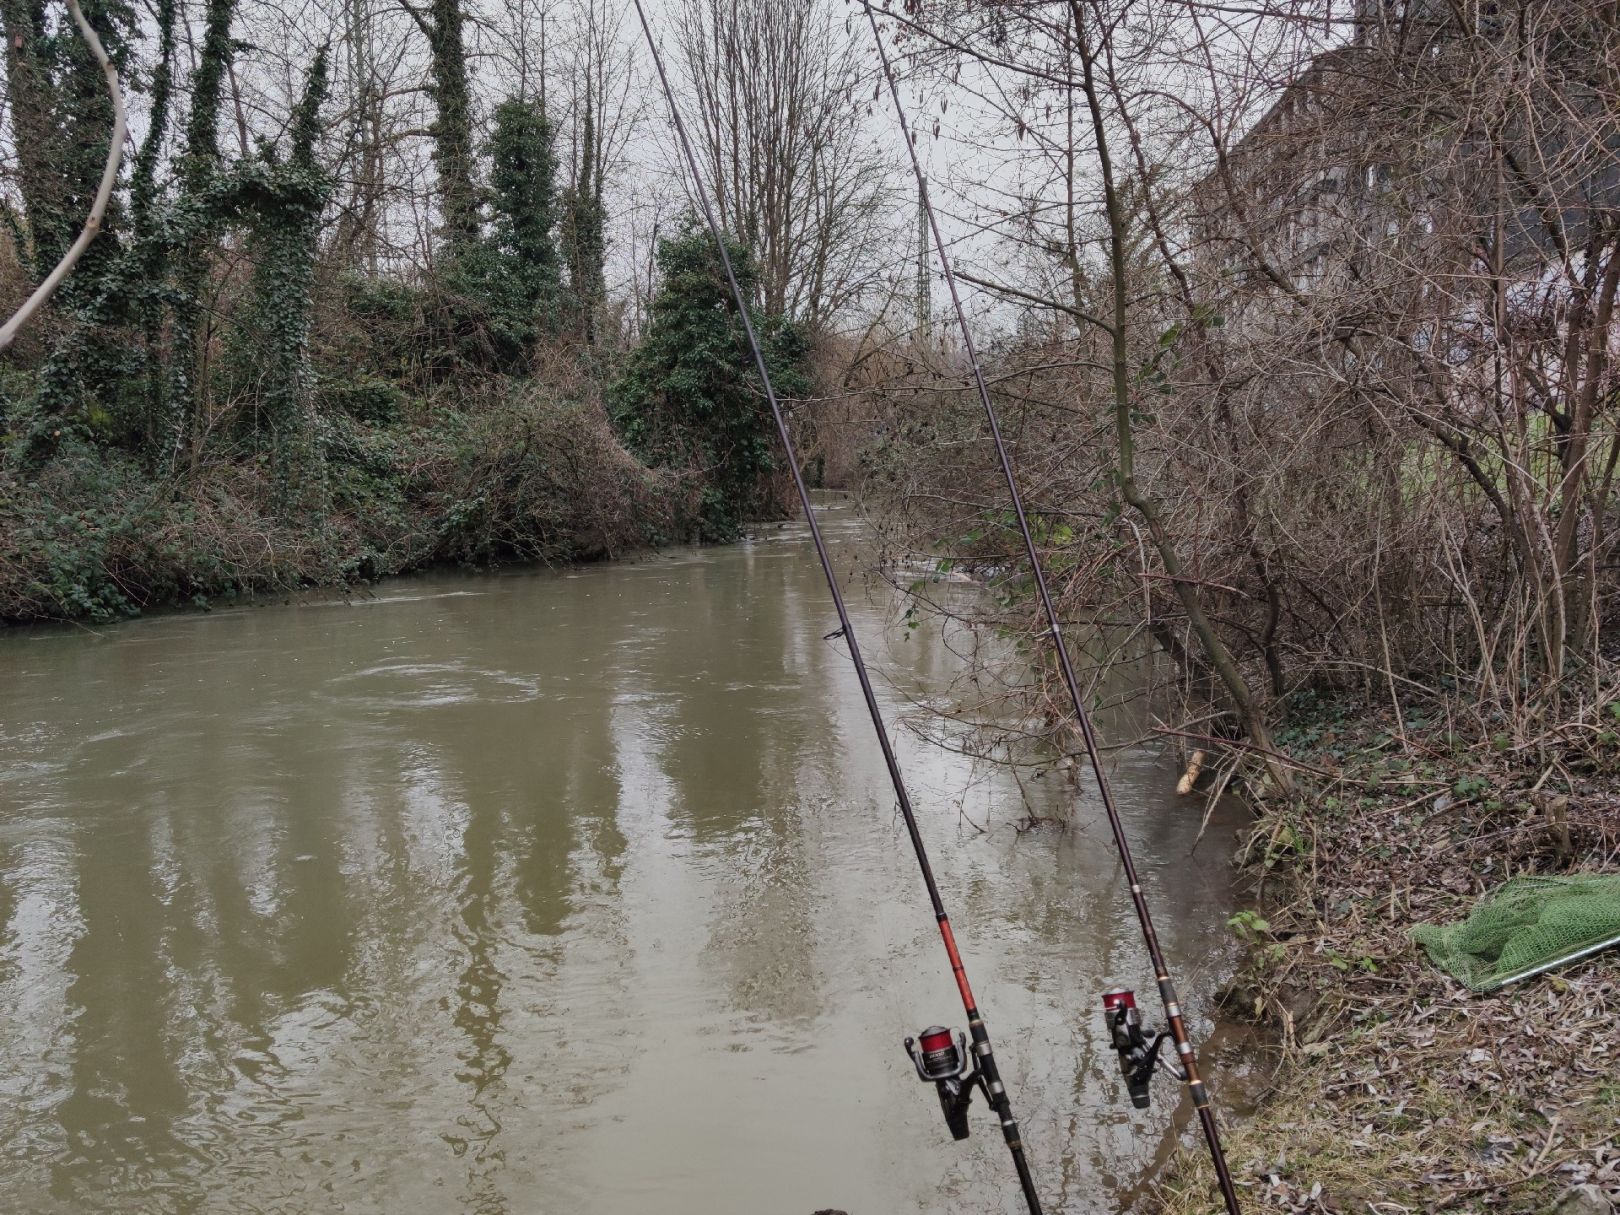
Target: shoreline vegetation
(277, 366)
(1393, 1087)
(1313, 391)
(96, 537)
(570, 456)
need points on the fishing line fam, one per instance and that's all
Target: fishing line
(940, 1061)
(1136, 1057)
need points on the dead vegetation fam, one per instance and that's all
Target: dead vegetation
(1310, 375)
(1397, 1089)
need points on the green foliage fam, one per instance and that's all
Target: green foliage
(523, 181)
(1343, 962)
(374, 332)
(452, 124)
(540, 479)
(1249, 926)
(493, 297)
(200, 157)
(120, 376)
(470, 332)
(365, 398)
(61, 118)
(174, 396)
(93, 536)
(187, 400)
(283, 201)
(689, 398)
(143, 178)
(585, 218)
(31, 98)
(385, 301)
(528, 475)
(85, 121)
(500, 293)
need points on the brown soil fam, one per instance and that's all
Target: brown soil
(1396, 1089)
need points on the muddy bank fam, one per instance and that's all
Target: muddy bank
(1395, 1088)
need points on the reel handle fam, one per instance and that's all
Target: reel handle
(1138, 1058)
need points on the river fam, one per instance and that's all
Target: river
(549, 891)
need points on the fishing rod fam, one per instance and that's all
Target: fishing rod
(946, 1063)
(1137, 1057)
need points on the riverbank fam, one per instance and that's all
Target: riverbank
(1396, 1088)
(94, 535)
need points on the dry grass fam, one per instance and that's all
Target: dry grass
(1398, 1090)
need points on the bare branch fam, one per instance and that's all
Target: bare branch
(98, 208)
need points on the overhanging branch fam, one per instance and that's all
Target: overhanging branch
(1042, 301)
(98, 209)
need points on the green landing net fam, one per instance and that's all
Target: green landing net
(1529, 925)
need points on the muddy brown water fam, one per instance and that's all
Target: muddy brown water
(547, 892)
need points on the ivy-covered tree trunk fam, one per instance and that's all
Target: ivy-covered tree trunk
(60, 167)
(143, 177)
(286, 202)
(32, 97)
(523, 179)
(585, 224)
(149, 248)
(452, 126)
(86, 119)
(61, 120)
(184, 402)
(461, 275)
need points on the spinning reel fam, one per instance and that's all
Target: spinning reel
(943, 1062)
(1138, 1057)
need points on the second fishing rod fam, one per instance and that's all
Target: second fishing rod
(947, 1062)
(1138, 1058)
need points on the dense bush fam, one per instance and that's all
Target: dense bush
(690, 400)
(531, 475)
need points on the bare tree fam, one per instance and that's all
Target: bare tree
(783, 134)
(1325, 389)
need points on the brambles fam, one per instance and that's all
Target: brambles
(533, 476)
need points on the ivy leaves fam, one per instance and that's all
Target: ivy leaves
(689, 397)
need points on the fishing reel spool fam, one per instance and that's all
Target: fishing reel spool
(943, 1061)
(1138, 1057)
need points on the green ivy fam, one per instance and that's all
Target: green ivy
(689, 397)
(585, 218)
(284, 201)
(514, 275)
(452, 124)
